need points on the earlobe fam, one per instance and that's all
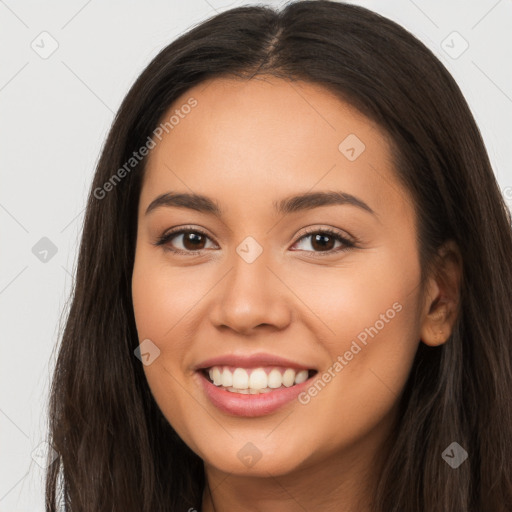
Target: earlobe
(443, 297)
(437, 328)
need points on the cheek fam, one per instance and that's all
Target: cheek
(359, 391)
(162, 296)
(366, 391)
(372, 334)
(349, 301)
(163, 300)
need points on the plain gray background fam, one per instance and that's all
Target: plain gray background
(55, 112)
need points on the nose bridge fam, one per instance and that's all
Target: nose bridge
(251, 295)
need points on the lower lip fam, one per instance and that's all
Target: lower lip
(248, 405)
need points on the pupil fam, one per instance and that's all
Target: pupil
(319, 238)
(194, 239)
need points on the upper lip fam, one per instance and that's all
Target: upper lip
(250, 361)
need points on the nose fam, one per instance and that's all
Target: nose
(251, 298)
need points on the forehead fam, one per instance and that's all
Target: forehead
(265, 138)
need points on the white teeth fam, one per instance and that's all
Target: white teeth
(275, 379)
(227, 377)
(254, 381)
(301, 376)
(240, 379)
(216, 376)
(258, 379)
(288, 377)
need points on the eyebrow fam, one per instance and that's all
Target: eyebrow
(305, 201)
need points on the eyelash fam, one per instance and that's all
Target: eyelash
(348, 244)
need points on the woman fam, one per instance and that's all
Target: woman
(295, 228)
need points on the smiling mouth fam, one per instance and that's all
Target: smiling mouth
(253, 381)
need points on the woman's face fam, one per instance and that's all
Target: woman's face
(259, 293)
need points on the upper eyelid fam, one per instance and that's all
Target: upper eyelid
(334, 231)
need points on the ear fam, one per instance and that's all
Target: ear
(442, 297)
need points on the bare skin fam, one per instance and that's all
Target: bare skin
(246, 145)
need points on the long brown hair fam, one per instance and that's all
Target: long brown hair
(116, 450)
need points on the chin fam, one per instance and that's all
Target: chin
(256, 456)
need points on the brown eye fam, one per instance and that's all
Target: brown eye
(193, 241)
(185, 241)
(324, 241)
